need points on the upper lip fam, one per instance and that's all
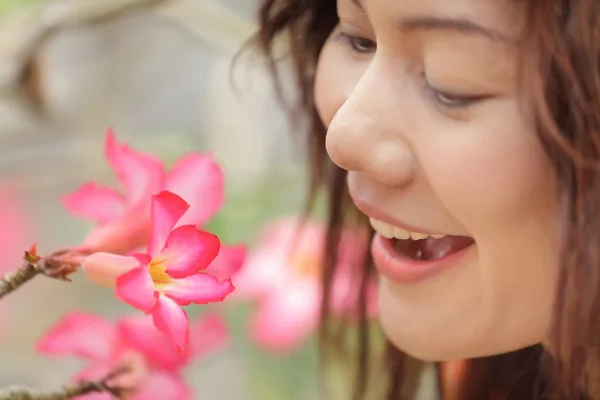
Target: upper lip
(373, 212)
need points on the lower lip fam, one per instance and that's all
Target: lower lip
(401, 269)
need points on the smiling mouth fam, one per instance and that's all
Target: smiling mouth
(421, 246)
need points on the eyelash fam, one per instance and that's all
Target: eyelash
(362, 45)
(357, 44)
(451, 100)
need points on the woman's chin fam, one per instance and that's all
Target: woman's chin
(436, 346)
(438, 333)
(415, 338)
(423, 349)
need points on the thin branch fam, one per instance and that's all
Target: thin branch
(67, 392)
(14, 280)
(59, 265)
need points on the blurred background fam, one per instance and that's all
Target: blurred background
(159, 72)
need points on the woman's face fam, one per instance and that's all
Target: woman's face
(421, 100)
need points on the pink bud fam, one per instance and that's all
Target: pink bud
(105, 268)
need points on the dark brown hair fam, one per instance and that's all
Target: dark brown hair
(561, 56)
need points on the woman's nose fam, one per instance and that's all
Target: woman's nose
(366, 135)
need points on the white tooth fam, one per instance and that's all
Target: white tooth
(386, 230)
(377, 225)
(381, 227)
(418, 236)
(400, 233)
(389, 231)
(373, 222)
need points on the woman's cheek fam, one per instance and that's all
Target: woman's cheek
(491, 170)
(336, 77)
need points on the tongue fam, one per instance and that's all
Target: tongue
(430, 248)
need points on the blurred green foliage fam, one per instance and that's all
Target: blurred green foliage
(9, 7)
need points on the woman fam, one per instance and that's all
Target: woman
(467, 131)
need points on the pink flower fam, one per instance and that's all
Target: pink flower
(14, 229)
(15, 238)
(154, 364)
(283, 276)
(123, 220)
(172, 273)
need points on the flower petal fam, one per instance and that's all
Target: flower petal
(163, 385)
(270, 265)
(171, 319)
(136, 288)
(140, 333)
(207, 334)
(198, 179)
(228, 262)
(142, 175)
(96, 370)
(285, 320)
(105, 268)
(263, 272)
(96, 203)
(189, 250)
(80, 334)
(200, 288)
(167, 209)
(124, 234)
(143, 259)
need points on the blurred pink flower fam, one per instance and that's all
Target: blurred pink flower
(172, 273)
(283, 276)
(15, 229)
(123, 220)
(154, 364)
(16, 236)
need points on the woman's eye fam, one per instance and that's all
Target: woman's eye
(449, 100)
(357, 44)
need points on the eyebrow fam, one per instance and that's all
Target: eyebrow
(444, 24)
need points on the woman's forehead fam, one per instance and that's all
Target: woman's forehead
(495, 18)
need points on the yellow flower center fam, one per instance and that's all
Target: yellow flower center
(307, 265)
(157, 272)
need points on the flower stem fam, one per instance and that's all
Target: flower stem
(58, 265)
(67, 392)
(13, 280)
